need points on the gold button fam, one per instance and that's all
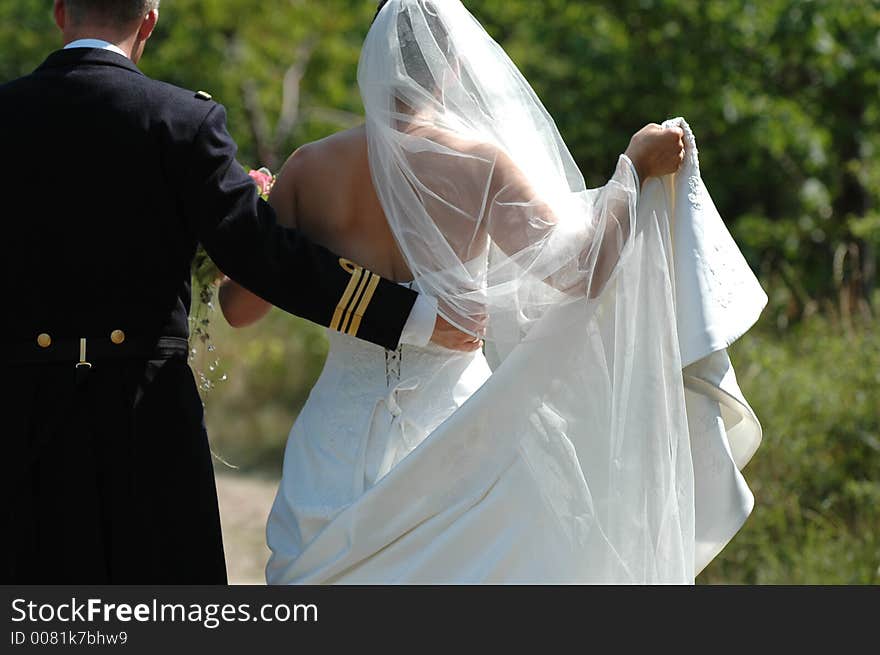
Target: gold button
(44, 340)
(117, 336)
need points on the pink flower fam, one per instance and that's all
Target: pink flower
(263, 179)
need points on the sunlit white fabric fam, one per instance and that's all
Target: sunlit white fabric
(717, 300)
(573, 461)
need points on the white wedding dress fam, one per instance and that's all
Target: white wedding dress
(368, 410)
(605, 443)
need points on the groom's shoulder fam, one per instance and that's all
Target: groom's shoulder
(181, 112)
(180, 100)
(11, 86)
(14, 94)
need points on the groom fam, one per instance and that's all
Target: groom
(108, 475)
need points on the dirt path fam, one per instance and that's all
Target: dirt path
(244, 505)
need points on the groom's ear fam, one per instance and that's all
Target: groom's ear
(148, 25)
(59, 10)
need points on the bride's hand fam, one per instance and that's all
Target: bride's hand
(449, 336)
(656, 151)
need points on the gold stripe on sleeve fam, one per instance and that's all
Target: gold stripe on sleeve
(356, 275)
(362, 306)
(365, 278)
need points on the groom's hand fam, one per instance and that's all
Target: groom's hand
(449, 336)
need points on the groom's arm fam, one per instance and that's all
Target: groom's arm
(241, 233)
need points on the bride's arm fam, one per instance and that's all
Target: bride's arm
(241, 307)
(585, 254)
(575, 249)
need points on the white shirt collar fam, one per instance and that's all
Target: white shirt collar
(95, 43)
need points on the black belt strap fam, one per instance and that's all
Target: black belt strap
(96, 350)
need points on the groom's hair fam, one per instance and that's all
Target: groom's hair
(113, 12)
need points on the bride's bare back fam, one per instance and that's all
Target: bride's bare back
(325, 190)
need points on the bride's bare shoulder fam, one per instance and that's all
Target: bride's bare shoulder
(314, 159)
(313, 166)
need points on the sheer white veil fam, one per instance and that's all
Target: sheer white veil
(494, 219)
(482, 195)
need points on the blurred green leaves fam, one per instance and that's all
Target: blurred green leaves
(816, 476)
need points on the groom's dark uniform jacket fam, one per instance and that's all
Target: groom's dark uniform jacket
(109, 180)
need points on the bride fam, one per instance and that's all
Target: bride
(562, 454)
